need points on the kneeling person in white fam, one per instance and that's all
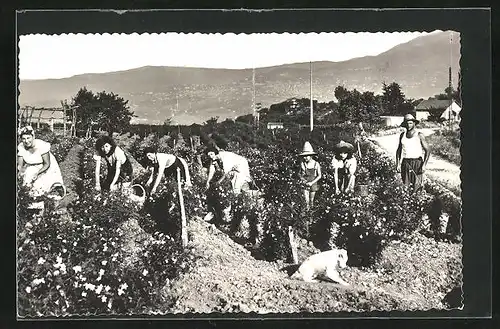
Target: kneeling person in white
(36, 164)
(326, 263)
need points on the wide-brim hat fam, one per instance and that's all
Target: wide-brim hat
(307, 150)
(407, 118)
(344, 146)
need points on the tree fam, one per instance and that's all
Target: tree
(212, 121)
(113, 113)
(86, 109)
(451, 93)
(106, 110)
(356, 106)
(341, 93)
(248, 118)
(393, 100)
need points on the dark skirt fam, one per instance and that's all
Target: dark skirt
(125, 174)
(343, 178)
(411, 172)
(172, 170)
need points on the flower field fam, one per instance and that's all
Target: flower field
(112, 256)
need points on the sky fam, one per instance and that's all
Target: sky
(61, 56)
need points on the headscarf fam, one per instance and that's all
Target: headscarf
(26, 130)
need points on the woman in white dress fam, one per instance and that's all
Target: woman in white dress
(36, 164)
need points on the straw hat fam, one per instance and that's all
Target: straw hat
(344, 146)
(307, 150)
(409, 117)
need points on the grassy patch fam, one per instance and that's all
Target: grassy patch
(446, 144)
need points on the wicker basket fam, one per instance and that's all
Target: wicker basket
(57, 192)
(137, 193)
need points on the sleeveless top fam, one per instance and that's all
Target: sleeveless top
(411, 147)
(310, 173)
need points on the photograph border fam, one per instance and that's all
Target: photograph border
(474, 28)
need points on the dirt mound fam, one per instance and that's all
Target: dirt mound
(228, 279)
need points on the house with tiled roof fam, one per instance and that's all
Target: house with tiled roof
(450, 110)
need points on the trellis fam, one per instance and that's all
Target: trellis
(34, 116)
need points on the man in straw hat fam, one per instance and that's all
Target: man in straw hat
(310, 174)
(412, 154)
(344, 165)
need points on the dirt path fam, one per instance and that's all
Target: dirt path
(70, 170)
(228, 279)
(439, 170)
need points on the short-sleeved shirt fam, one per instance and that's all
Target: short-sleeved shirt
(233, 162)
(166, 160)
(349, 164)
(34, 155)
(118, 154)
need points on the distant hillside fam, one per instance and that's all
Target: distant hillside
(419, 66)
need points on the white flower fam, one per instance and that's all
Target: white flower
(36, 282)
(58, 287)
(103, 299)
(20, 249)
(59, 259)
(84, 294)
(74, 244)
(110, 303)
(89, 286)
(107, 288)
(120, 292)
(64, 250)
(145, 272)
(101, 272)
(41, 261)
(56, 272)
(104, 262)
(57, 302)
(105, 248)
(28, 289)
(99, 289)
(77, 268)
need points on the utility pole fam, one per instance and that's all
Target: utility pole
(253, 97)
(449, 80)
(311, 94)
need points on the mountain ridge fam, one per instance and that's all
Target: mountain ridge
(420, 66)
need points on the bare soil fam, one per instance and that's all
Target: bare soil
(410, 276)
